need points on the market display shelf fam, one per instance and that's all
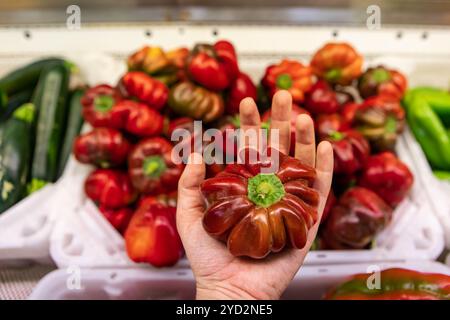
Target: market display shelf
(78, 235)
(311, 282)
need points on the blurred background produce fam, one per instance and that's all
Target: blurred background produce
(361, 102)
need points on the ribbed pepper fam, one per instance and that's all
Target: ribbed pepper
(288, 75)
(188, 99)
(259, 213)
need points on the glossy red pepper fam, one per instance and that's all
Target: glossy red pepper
(119, 218)
(259, 213)
(140, 86)
(102, 147)
(288, 75)
(348, 112)
(326, 124)
(350, 150)
(388, 177)
(151, 167)
(395, 284)
(337, 63)
(152, 235)
(382, 81)
(329, 204)
(110, 188)
(97, 104)
(241, 87)
(213, 66)
(380, 119)
(321, 99)
(356, 219)
(137, 118)
(295, 112)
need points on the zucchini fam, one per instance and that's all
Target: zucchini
(50, 101)
(73, 128)
(27, 76)
(15, 102)
(15, 154)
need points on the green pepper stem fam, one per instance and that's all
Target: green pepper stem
(154, 166)
(265, 189)
(381, 75)
(333, 75)
(336, 135)
(284, 81)
(103, 103)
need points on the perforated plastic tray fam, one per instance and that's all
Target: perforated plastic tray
(312, 282)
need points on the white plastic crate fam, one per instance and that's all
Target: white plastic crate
(312, 282)
(81, 236)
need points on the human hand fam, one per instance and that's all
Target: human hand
(220, 275)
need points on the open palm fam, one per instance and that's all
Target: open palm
(220, 275)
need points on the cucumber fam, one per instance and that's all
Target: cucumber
(27, 76)
(15, 102)
(73, 128)
(15, 154)
(50, 101)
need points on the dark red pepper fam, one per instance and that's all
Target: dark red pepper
(350, 150)
(102, 147)
(151, 167)
(109, 188)
(356, 219)
(152, 235)
(380, 119)
(137, 118)
(119, 218)
(326, 124)
(213, 66)
(97, 104)
(242, 87)
(141, 86)
(321, 99)
(329, 204)
(382, 81)
(258, 213)
(388, 177)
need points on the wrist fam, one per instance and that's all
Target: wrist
(220, 291)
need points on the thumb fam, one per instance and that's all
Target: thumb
(190, 202)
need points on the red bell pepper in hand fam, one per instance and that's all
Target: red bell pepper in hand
(109, 188)
(139, 85)
(242, 87)
(295, 112)
(137, 119)
(102, 147)
(356, 219)
(337, 63)
(321, 99)
(350, 150)
(289, 75)
(151, 168)
(152, 235)
(380, 119)
(261, 213)
(119, 218)
(395, 284)
(388, 177)
(382, 81)
(326, 124)
(213, 66)
(97, 104)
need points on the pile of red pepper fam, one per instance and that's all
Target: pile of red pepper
(359, 113)
(135, 180)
